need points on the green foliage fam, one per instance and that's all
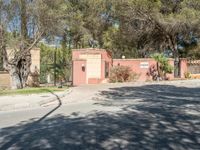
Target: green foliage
(28, 91)
(88, 20)
(134, 28)
(114, 40)
(110, 36)
(163, 65)
(155, 24)
(187, 75)
(55, 60)
(193, 52)
(122, 74)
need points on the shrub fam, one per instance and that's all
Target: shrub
(34, 79)
(163, 66)
(122, 74)
(187, 75)
(153, 72)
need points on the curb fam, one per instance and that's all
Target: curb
(55, 98)
(41, 103)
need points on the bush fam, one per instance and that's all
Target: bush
(187, 75)
(163, 66)
(34, 79)
(122, 74)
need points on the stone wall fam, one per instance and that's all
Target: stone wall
(35, 57)
(33, 79)
(5, 81)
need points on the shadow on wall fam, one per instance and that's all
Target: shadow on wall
(153, 117)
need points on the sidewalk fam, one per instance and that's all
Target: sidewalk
(18, 102)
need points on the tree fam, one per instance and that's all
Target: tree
(119, 44)
(163, 66)
(28, 22)
(55, 61)
(134, 28)
(88, 21)
(158, 24)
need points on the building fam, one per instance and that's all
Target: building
(5, 79)
(92, 66)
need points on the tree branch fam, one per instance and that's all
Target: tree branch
(3, 49)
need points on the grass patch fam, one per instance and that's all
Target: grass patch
(28, 91)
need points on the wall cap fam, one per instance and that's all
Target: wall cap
(3, 72)
(79, 60)
(138, 59)
(89, 49)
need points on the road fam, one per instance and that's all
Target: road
(163, 115)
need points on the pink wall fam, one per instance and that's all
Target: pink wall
(135, 65)
(105, 54)
(79, 75)
(94, 81)
(183, 67)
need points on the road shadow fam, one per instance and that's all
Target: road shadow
(153, 117)
(28, 127)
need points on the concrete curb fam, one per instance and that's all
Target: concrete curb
(42, 103)
(55, 98)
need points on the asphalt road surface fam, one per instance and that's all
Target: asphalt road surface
(148, 116)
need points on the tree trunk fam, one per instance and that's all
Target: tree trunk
(176, 57)
(16, 81)
(24, 30)
(158, 69)
(20, 71)
(18, 67)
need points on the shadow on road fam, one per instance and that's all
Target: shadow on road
(19, 135)
(163, 117)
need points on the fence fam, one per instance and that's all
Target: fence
(193, 66)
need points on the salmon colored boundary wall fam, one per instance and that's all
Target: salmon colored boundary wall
(183, 67)
(79, 77)
(135, 65)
